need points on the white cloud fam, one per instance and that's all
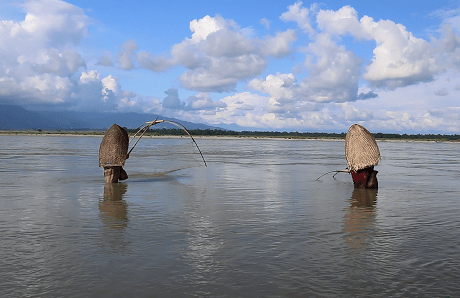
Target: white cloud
(334, 72)
(222, 74)
(221, 56)
(153, 62)
(126, 54)
(416, 79)
(110, 88)
(37, 58)
(345, 21)
(51, 88)
(105, 59)
(203, 101)
(300, 15)
(277, 86)
(54, 22)
(90, 77)
(128, 100)
(40, 65)
(400, 59)
(205, 26)
(217, 57)
(279, 45)
(448, 16)
(351, 113)
(441, 92)
(172, 101)
(265, 22)
(244, 109)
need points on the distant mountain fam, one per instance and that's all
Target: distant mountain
(16, 117)
(236, 127)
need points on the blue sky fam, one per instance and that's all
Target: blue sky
(391, 66)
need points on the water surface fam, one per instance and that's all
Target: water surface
(254, 223)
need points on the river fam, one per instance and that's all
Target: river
(254, 223)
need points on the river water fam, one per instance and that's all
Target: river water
(254, 223)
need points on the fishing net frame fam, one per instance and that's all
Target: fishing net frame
(146, 126)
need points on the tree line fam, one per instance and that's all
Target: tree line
(294, 134)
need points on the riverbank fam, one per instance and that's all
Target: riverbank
(219, 137)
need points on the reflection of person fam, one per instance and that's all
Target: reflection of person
(113, 208)
(364, 198)
(113, 153)
(360, 218)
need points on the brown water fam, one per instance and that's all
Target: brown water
(254, 223)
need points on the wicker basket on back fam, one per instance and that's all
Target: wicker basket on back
(361, 150)
(114, 147)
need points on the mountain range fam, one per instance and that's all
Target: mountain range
(13, 117)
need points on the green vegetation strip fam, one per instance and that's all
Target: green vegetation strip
(247, 134)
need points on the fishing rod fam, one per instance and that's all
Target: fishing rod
(145, 127)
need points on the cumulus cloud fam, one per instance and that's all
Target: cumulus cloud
(53, 21)
(265, 22)
(42, 72)
(441, 92)
(328, 87)
(334, 75)
(345, 21)
(334, 72)
(39, 63)
(367, 95)
(153, 62)
(277, 86)
(199, 102)
(110, 88)
(205, 26)
(105, 59)
(126, 54)
(446, 113)
(278, 46)
(400, 59)
(90, 77)
(94, 92)
(220, 55)
(351, 113)
(217, 57)
(203, 101)
(172, 101)
(300, 15)
(245, 109)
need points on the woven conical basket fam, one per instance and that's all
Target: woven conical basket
(114, 147)
(361, 150)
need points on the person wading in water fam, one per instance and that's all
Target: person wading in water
(362, 154)
(113, 153)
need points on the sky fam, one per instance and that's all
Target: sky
(391, 66)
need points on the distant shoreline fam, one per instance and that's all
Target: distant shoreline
(210, 137)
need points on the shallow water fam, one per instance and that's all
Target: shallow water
(254, 223)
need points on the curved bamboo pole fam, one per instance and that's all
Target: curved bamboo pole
(146, 127)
